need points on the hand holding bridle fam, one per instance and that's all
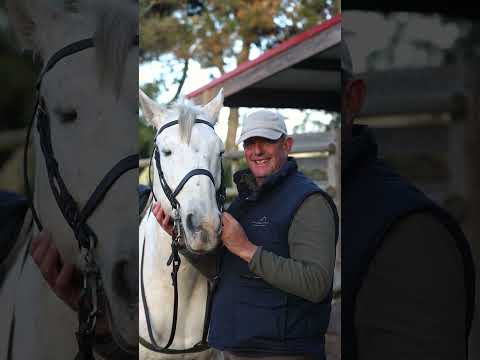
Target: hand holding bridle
(64, 279)
(163, 218)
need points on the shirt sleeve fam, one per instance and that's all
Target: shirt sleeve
(412, 301)
(308, 273)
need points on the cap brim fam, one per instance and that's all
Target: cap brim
(264, 133)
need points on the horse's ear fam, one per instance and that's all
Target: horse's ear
(30, 19)
(152, 111)
(21, 22)
(212, 109)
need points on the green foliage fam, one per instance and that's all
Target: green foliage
(212, 31)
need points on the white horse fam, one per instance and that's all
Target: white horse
(182, 148)
(91, 98)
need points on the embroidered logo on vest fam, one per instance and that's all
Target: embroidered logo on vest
(261, 222)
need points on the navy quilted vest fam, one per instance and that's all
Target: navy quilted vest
(248, 314)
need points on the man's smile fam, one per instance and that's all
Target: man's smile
(261, 162)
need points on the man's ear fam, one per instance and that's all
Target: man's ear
(354, 96)
(288, 144)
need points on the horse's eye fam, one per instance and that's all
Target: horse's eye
(167, 152)
(67, 115)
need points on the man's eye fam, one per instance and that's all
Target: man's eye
(167, 152)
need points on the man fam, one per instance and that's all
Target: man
(273, 296)
(407, 274)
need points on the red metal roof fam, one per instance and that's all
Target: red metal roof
(297, 39)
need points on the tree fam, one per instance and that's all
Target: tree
(222, 34)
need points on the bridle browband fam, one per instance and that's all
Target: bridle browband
(75, 216)
(174, 258)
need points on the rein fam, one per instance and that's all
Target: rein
(76, 217)
(174, 259)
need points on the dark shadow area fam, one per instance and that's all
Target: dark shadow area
(408, 259)
(69, 235)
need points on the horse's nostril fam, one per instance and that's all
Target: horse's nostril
(190, 224)
(125, 281)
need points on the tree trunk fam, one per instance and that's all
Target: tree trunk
(232, 129)
(233, 118)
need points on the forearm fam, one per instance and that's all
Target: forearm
(306, 280)
(308, 272)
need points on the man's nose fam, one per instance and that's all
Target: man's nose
(258, 148)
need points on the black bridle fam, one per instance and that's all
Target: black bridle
(75, 216)
(176, 245)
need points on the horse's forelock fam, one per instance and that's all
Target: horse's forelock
(187, 113)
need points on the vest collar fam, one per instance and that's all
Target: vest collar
(247, 186)
(361, 149)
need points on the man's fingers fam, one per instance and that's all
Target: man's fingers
(226, 218)
(166, 221)
(66, 278)
(49, 264)
(67, 285)
(42, 244)
(37, 240)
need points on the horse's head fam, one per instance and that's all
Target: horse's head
(183, 148)
(91, 100)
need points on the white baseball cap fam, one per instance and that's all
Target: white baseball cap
(263, 123)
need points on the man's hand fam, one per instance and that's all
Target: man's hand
(235, 239)
(64, 279)
(163, 218)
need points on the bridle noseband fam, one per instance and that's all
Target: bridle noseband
(176, 245)
(75, 216)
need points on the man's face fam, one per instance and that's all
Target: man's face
(265, 156)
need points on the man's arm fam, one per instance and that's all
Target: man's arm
(308, 273)
(412, 301)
